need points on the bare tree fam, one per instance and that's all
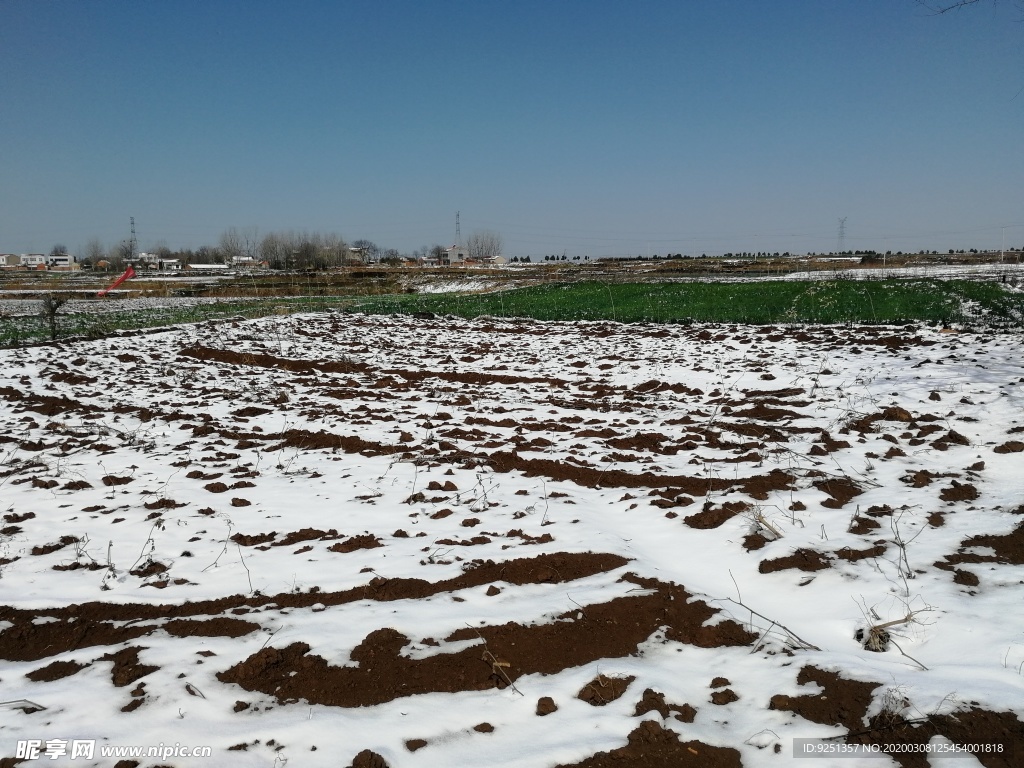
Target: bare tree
(232, 244)
(484, 246)
(121, 254)
(369, 250)
(250, 243)
(94, 252)
(52, 303)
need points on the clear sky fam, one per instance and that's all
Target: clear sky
(597, 127)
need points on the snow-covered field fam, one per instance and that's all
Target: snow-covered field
(299, 540)
(994, 271)
(28, 307)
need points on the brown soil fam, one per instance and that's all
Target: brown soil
(253, 540)
(306, 534)
(753, 541)
(853, 555)
(127, 668)
(920, 478)
(254, 359)
(604, 631)
(47, 549)
(654, 701)
(257, 360)
(368, 759)
(45, 404)
(845, 703)
(959, 492)
(96, 624)
(721, 698)
(965, 578)
(867, 423)
(652, 746)
(221, 626)
(603, 690)
(367, 541)
(841, 490)
(151, 568)
(863, 525)
(1008, 548)
(712, 517)
(110, 480)
(801, 560)
(163, 504)
(545, 706)
(55, 671)
(593, 477)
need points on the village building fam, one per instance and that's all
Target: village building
(63, 261)
(456, 256)
(155, 261)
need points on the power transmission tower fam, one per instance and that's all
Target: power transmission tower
(842, 235)
(133, 244)
(458, 231)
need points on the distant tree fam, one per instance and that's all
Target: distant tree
(124, 253)
(273, 251)
(231, 244)
(205, 255)
(484, 245)
(58, 250)
(370, 249)
(437, 252)
(93, 253)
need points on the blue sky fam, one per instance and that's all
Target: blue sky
(598, 128)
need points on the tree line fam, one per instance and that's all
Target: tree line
(281, 250)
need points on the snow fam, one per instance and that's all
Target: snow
(964, 644)
(930, 272)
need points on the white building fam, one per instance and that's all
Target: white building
(456, 256)
(61, 261)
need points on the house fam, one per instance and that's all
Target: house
(10, 260)
(33, 260)
(62, 261)
(156, 261)
(456, 256)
